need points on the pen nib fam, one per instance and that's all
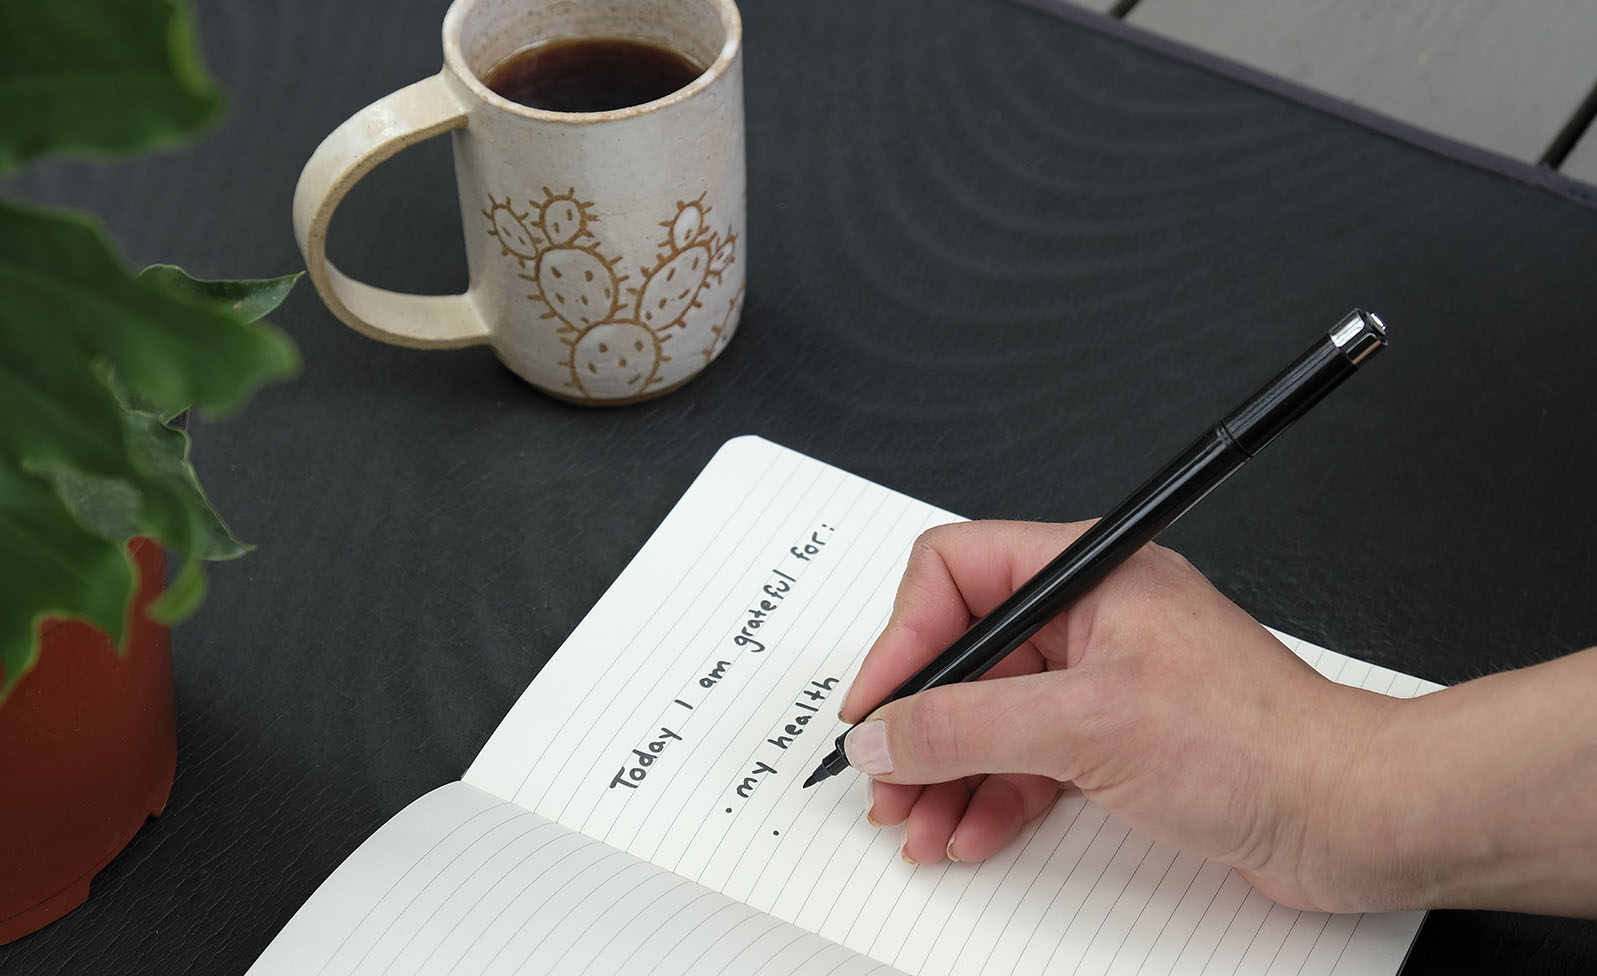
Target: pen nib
(815, 777)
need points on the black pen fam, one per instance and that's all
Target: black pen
(1151, 508)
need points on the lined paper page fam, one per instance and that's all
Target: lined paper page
(462, 883)
(680, 719)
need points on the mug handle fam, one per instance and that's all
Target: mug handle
(378, 131)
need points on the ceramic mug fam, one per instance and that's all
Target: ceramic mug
(605, 248)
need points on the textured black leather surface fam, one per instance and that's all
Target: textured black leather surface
(996, 261)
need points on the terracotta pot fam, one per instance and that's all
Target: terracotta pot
(88, 748)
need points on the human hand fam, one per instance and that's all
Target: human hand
(1154, 695)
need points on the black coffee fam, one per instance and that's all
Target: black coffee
(591, 75)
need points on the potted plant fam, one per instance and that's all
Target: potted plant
(96, 489)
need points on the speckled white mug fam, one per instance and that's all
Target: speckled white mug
(606, 249)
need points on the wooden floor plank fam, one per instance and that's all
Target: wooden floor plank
(1102, 6)
(1498, 74)
(1582, 160)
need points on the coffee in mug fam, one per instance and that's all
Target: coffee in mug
(591, 74)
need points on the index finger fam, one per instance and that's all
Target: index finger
(955, 572)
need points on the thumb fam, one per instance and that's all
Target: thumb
(1021, 724)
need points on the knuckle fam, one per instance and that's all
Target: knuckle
(1170, 560)
(1012, 801)
(932, 539)
(1160, 579)
(926, 557)
(1158, 574)
(934, 735)
(1101, 708)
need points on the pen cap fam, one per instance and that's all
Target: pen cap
(1352, 341)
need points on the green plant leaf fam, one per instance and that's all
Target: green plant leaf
(253, 298)
(98, 77)
(53, 567)
(110, 507)
(61, 275)
(92, 359)
(182, 597)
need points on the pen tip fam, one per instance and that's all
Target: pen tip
(815, 777)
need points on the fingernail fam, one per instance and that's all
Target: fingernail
(950, 850)
(866, 748)
(870, 803)
(903, 854)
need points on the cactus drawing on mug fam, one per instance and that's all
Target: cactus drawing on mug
(692, 256)
(721, 334)
(515, 238)
(616, 337)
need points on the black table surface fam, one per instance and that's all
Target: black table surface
(996, 261)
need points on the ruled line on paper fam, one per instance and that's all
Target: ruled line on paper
(462, 883)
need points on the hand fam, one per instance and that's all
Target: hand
(1154, 695)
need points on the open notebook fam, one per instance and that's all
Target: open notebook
(639, 811)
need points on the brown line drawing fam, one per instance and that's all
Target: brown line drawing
(575, 280)
(691, 256)
(721, 334)
(515, 237)
(580, 289)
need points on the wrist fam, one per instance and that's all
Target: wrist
(1361, 850)
(1483, 796)
(1395, 834)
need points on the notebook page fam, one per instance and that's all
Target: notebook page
(680, 719)
(464, 884)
